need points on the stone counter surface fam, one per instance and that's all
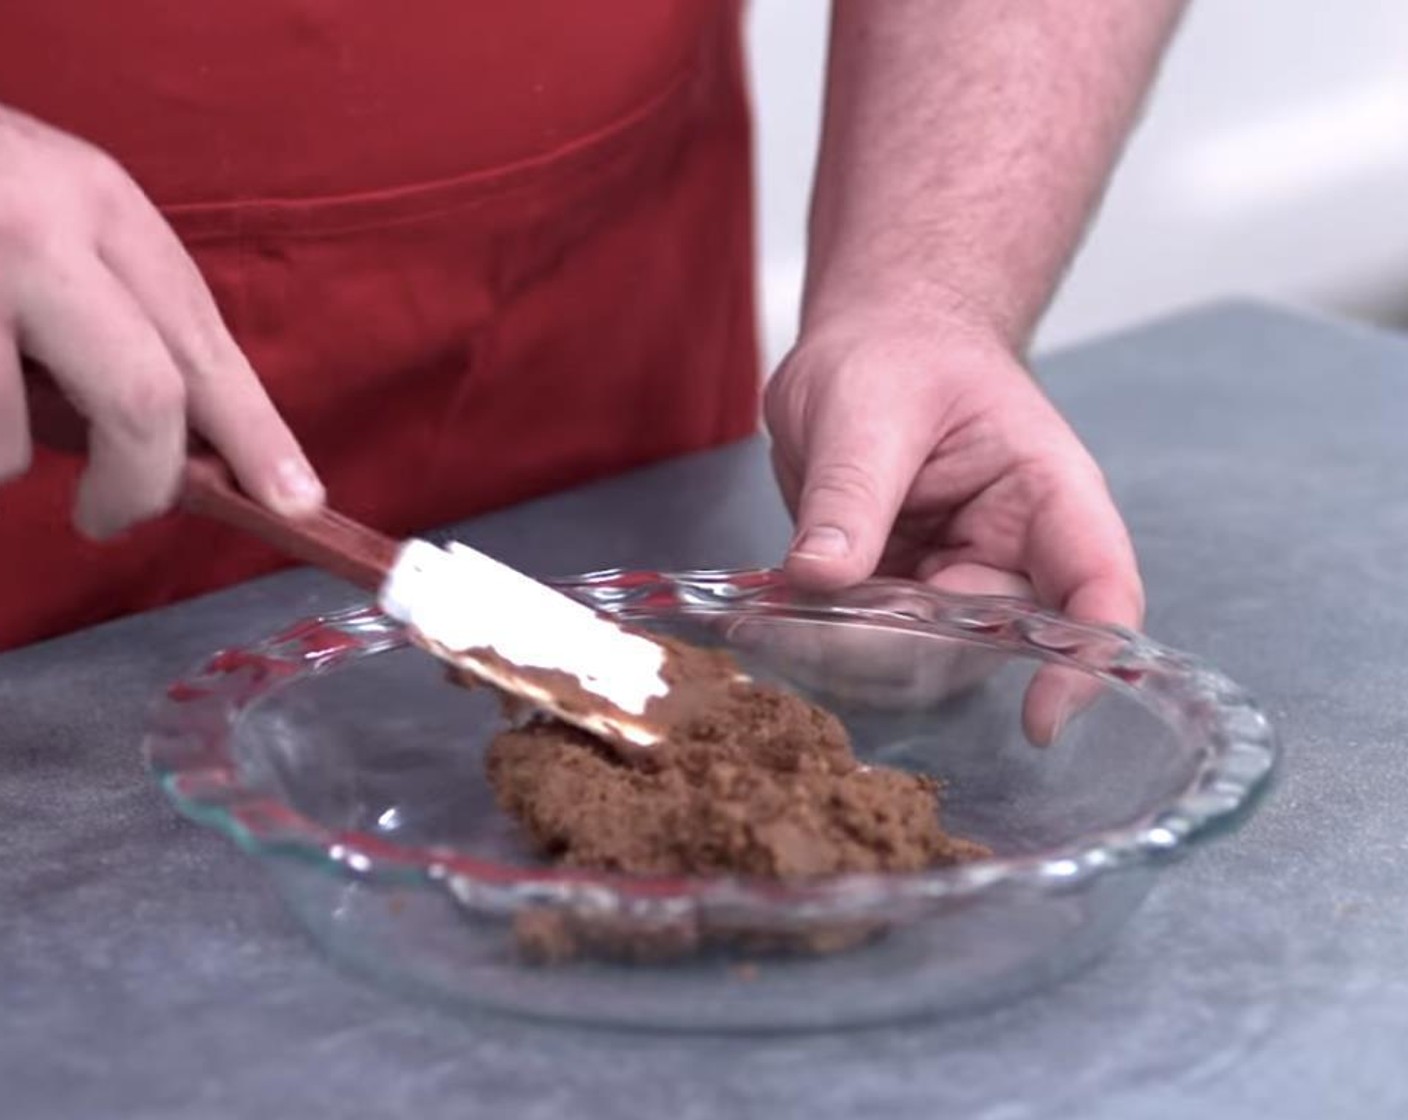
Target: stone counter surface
(147, 970)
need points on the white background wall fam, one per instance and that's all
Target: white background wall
(1273, 161)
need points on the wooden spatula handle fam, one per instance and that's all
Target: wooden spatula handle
(326, 539)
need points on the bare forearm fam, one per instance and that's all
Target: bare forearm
(966, 143)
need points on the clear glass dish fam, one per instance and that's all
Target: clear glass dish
(339, 757)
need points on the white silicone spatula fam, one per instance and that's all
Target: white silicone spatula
(476, 614)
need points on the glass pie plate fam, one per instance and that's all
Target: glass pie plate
(339, 757)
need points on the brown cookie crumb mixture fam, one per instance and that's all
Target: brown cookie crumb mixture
(752, 780)
(761, 784)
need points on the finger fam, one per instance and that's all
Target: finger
(1113, 596)
(857, 473)
(1079, 555)
(15, 446)
(225, 400)
(81, 324)
(1057, 695)
(978, 579)
(1092, 576)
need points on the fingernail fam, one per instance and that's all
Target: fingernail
(825, 542)
(298, 485)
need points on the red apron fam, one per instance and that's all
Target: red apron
(476, 250)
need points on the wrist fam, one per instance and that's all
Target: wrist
(932, 300)
(893, 305)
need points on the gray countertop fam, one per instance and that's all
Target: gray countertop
(147, 970)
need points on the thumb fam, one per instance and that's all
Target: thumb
(855, 477)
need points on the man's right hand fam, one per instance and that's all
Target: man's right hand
(96, 287)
